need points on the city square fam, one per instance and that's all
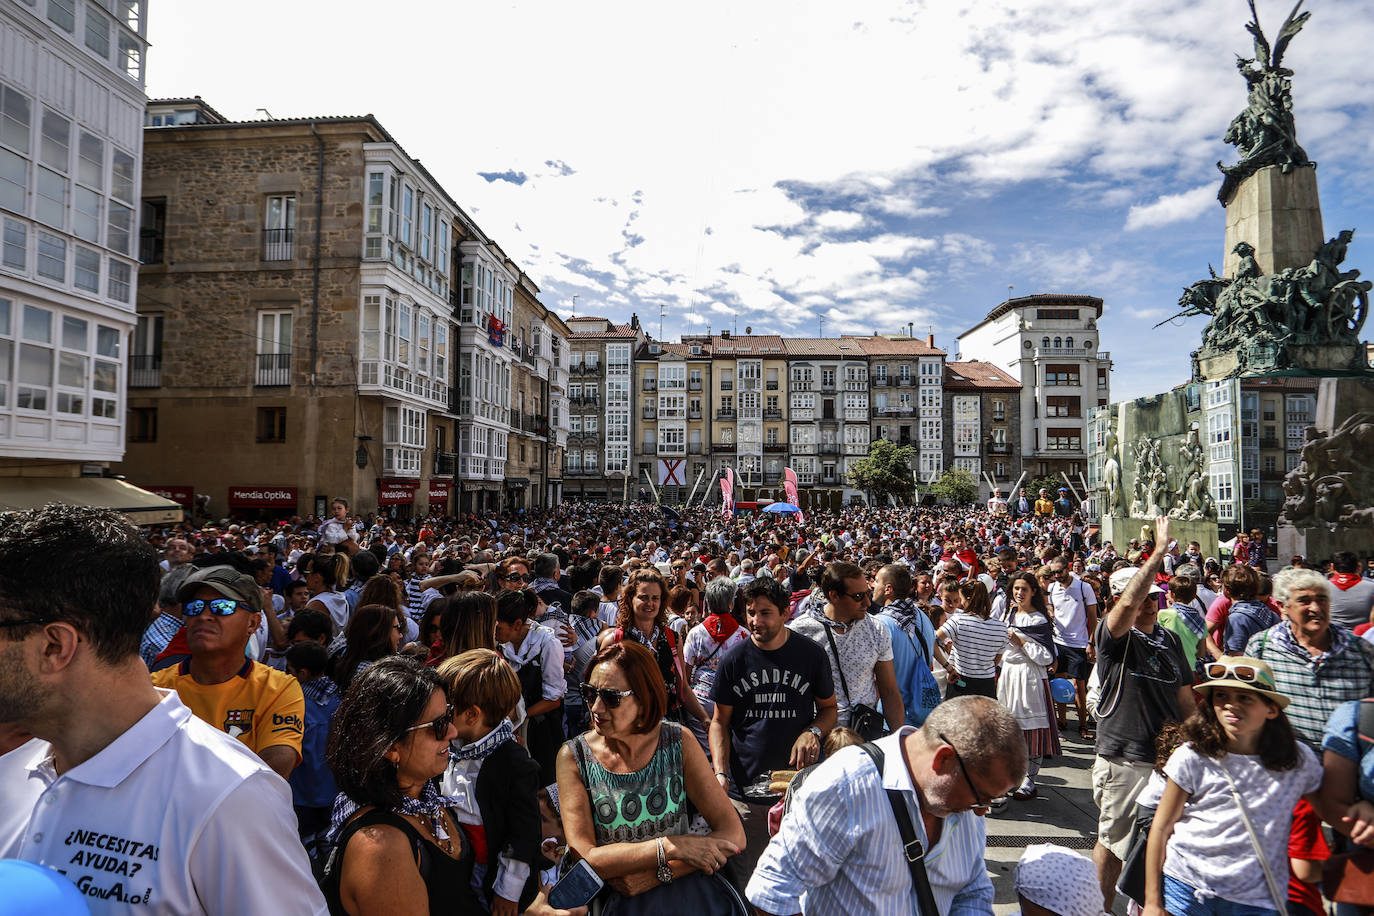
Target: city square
(396, 443)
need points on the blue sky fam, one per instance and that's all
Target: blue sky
(770, 165)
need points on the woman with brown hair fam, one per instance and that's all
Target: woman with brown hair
(373, 632)
(626, 787)
(643, 618)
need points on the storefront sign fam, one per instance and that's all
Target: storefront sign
(439, 490)
(396, 492)
(183, 495)
(262, 497)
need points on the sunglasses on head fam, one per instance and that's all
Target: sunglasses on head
(1246, 673)
(220, 607)
(440, 724)
(609, 697)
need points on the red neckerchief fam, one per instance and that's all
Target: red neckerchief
(720, 626)
(1345, 581)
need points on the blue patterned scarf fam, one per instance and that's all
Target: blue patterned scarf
(426, 806)
(481, 748)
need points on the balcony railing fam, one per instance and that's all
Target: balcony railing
(150, 246)
(998, 448)
(649, 413)
(445, 463)
(278, 244)
(771, 386)
(772, 477)
(890, 411)
(693, 414)
(648, 448)
(145, 371)
(727, 385)
(274, 370)
(694, 448)
(694, 384)
(803, 448)
(830, 448)
(880, 381)
(830, 479)
(722, 446)
(775, 446)
(725, 413)
(772, 413)
(650, 384)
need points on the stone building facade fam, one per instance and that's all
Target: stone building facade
(983, 429)
(601, 399)
(330, 316)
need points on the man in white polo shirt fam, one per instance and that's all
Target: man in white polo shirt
(146, 808)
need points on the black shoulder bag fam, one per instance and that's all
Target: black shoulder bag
(912, 849)
(864, 719)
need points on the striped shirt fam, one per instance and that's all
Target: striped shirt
(414, 605)
(838, 849)
(1315, 684)
(977, 643)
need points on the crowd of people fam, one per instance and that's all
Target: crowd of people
(637, 709)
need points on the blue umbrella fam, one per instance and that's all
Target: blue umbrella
(780, 507)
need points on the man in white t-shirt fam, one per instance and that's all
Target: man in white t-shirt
(90, 795)
(1074, 608)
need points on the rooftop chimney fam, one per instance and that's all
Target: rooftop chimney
(724, 334)
(930, 340)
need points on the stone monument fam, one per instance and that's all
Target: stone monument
(1282, 301)
(1283, 305)
(1154, 464)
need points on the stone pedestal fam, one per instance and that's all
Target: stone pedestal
(1262, 358)
(1120, 531)
(1279, 214)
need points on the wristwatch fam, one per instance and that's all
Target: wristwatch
(815, 731)
(665, 874)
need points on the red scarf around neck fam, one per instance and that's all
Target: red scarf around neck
(720, 626)
(1345, 581)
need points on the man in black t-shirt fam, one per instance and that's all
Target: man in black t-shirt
(774, 704)
(774, 696)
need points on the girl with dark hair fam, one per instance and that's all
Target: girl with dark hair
(396, 841)
(373, 632)
(976, 644)
(1228, 803)
(643, 617)
(1024, 686)
(468, 621)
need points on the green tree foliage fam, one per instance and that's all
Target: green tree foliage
(1052, 484)
(957, 486)
(886, 472)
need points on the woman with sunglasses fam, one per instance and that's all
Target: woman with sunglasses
(511, 573)
(643, 618)
(398, 847)
(627, 785)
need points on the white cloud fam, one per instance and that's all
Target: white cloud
(1172, 208)
(839, 220)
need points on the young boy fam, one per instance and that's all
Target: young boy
(312, 785)
(494, 779)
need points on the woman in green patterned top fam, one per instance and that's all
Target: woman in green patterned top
(625, 786)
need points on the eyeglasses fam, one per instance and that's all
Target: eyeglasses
(517, 577)
(25, 622)
(858, 596)
(440, 725)
(609, 697)
(978, 799)
(220, 607)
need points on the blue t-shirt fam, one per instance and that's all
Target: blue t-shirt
(1342, 737)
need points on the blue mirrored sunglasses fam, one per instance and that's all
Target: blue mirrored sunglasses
(220, 607)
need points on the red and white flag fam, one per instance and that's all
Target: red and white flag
(789, 486)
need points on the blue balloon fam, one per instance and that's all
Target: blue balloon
(1062, 690)
(32, 890)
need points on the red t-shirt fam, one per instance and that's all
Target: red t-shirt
(1305, 841)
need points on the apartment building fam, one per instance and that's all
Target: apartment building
(600, 383)
(71, 139)
(672, 448)
(1049, 343)
(539, 401)
(906, 376)
(828, 425)
(984, 436)
(1274, 416)
(359, 342)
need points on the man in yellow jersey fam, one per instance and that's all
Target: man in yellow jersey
(256, 704)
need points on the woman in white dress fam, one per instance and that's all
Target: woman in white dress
(1024, 686)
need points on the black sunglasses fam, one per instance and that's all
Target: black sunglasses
(518, 577)
(440, 725)
(610, 697)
